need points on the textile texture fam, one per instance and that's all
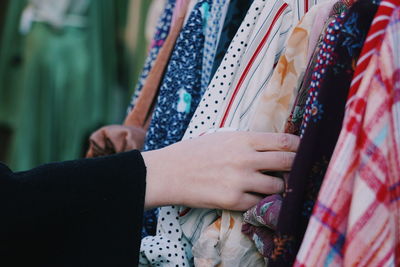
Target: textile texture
(273, 108)
(161, 34)
(212, 34)
(355, 221)
(178, 98)
(317, 27)
(261, 36)
(260, 223)
(162, 30)
(295, 119)
(323, 127)
(275, 102)
(193, 222)
(180, 91)
(235, 15)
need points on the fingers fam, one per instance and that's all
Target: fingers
(134, 138)
(98, 137)
(264, 184)
(247, 201)
(274, 141)
(96, 144)
(272, 161)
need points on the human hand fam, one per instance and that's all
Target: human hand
(113, 139)
(220, 170)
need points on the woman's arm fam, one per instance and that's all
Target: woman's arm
(90, 211)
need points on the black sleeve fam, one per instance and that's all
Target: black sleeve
(78, 213)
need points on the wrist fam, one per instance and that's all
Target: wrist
(160, 182)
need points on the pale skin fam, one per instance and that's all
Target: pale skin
(220, 170)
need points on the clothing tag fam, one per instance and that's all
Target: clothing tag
(185, 100)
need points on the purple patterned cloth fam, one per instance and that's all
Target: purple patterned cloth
(260, 223)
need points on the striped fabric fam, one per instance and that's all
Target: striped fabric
(278, 97)
(257, 68)
(372, 42)
(237, 98)
(241, 77)
(356, 220)
(192, 223)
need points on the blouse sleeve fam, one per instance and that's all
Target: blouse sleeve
(77, 213)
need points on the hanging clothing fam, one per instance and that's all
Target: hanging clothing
(141, 113)
(57, 100)
(355, 220)
(260, 223)
(265, 28)
(320, 20)
(65, 92)
(295, 119)
(257, 23)
(255, 71)
(212, 35)
(156, 11)
(233, 247)
(11, 54)
(236, 13)
(323, 128)
(194, 221)
(161, 34)
(56, 14)
(180, 91)
(192, 4)
(275, 102)
(179, 95)
(273, 108)
(372, 42)
(136, 39)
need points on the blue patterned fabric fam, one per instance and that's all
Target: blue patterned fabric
(213, 30)
(161, 34)
(181, 90)
(162, 30)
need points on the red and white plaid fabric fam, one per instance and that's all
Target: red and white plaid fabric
(356, 219)
(373, 41)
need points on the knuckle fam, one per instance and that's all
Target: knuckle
(233, 200)
(285, 142)
(244, 160)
